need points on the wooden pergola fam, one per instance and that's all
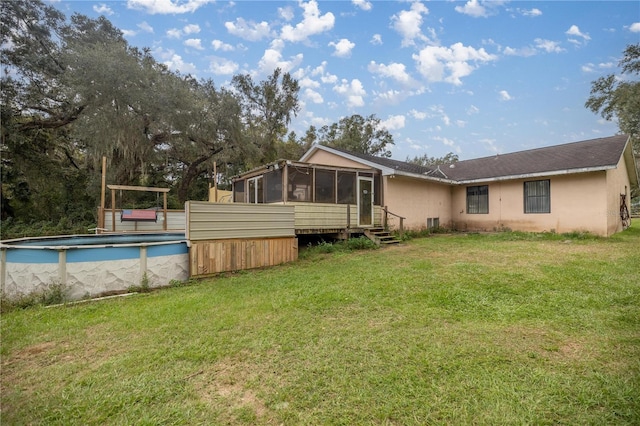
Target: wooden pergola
(115, 188)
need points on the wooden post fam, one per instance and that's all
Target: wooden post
(215, 182)
(102, 196)
(113, 210)
(285, 184)
(401, 226)
(164, 209)
(348, 216)
(385, 218)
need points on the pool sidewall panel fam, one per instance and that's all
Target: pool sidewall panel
(90, 272)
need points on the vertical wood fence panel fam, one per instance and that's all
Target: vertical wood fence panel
(234, 237)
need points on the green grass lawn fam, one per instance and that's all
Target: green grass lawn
(505, 328)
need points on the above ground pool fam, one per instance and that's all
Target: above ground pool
(92, 265)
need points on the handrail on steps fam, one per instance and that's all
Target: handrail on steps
(386, 223)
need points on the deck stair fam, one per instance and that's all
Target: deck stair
(381, 237)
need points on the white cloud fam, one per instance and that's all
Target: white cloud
(575, 31)
(174, 33)
(472, 110)
(446, 142)
(505, 96)
(376, 40)
(418, 115)
(286, 13)
(587, 67)
(191, 29)
(362, 4)
(524, 51)
(394, 122)
(144, 26)
(394, 70)
(308, 82)
(313, 96)
(390, 97)
(272, 59)
(177, 64)
(195, 43)
(102, 9)
(408, 22)
(548, 46)
(353, 91)
(635, 27)
(129, 33)
(251, 31)
(188, 29)
(342, 48)
(450, 64)
(325, 77)
(220, 45)
(591, 67)
(473, 8)
(222, 66)
(435, 111)
(312, 23)
(163, 7)
(439, 110)
(490, 145)
(533, 12)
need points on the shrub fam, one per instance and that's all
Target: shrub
(360, 243)
(54, 293)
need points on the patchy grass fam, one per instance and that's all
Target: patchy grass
(453, 329)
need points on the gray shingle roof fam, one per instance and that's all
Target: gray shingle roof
(590, 154)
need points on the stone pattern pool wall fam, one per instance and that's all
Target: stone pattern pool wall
(90, 271)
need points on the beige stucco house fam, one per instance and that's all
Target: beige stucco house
(578, 186)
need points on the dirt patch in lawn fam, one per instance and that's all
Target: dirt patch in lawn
(229, 387)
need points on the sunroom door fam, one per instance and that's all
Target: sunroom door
(365, 201)
(255, 190)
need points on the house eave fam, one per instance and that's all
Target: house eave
(394, 173)
(630, 162)
(385, 170)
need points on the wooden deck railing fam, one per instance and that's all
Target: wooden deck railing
(385, 222)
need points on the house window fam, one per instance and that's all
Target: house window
(273, 186)
(433, 223)
(537, 196)
(238, 191)
(377, 190)
(346, 188)
(299, 184)
(478, 199)
(325, 186)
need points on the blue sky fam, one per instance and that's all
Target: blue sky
(474, 78)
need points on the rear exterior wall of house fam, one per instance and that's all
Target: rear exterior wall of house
(576, 202)
(617, 184)
(418, 201)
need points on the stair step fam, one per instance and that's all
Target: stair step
(380, 236)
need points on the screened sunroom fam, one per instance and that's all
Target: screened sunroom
(326, 198)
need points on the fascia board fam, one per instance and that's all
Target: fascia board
(419, 176)
(630, 162)
(385, 170)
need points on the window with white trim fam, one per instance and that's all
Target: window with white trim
(478, 199)
(537, 196)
